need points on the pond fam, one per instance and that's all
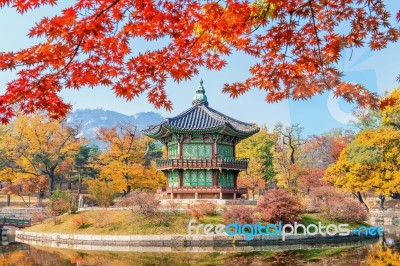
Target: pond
(379, 252)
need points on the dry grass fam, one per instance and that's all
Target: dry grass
(120, 222)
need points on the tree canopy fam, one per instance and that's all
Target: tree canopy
(297, 45)
(371, 161)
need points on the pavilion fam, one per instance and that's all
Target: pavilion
(200, 158)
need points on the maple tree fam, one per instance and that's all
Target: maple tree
(317, 153)
(279, 205)
(297, 45)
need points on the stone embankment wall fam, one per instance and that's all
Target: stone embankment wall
(181, 240)
(389, 216)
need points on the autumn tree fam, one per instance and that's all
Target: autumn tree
(83, 162)
(371, 161)
(37, 145)
(124, 159)
(103, 191)
(278, 205)
(288, 142)
(296, 46)
(317, 153)
(258, 148)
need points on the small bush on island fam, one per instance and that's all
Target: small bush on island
(145, 203)
(102, 220)
(336, 205)
(201, 208)
(240, 213)
(278, 205)
(38, 217)
(81, 222)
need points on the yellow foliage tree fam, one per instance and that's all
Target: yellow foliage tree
(123, 162)
(372, 160)
(260, 170)
(35, 145)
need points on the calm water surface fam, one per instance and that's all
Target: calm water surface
(379, 253)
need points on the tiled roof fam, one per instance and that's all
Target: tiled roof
(200, 117)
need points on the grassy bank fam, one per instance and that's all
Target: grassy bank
(315, 218)
(124, 222)
(119, 222)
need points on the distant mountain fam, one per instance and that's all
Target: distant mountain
(93, 119)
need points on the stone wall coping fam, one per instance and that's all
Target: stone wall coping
(181, 240)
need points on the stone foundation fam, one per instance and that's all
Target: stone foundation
(176, 242)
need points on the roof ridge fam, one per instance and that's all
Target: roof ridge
(212, 111)
(187, 111)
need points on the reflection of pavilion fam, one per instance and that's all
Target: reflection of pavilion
(200, 144)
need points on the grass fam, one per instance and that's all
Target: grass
(315, 218)
(124, 222)
(120, 222)
(319, 253)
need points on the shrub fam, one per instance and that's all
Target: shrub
(145, 203)
(102, 219)
(102, 191)
(336, 205)
(38, 217)
(346, 210)
(240, 213)
(201, 208)
(173, 206)
(163, 218)
(62, 202)
(81, 222)
(278, 205)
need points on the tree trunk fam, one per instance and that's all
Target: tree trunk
(252, 192)
(8, 200)
(40, 198)
(61, 182)
(79, 181)
(51, 186)
(382, 201)
(361, 200)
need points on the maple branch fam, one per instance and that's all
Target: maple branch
(106, 9)
(287, 43)
(318, 45)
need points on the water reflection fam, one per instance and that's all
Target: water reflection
(375, 254)
(383, 252)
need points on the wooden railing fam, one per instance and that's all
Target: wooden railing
(20, 223)
(225, 163)
(204, 190)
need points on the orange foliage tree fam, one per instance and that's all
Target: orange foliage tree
(318, 153)
(297, 45)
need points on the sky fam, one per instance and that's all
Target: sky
(376, 70)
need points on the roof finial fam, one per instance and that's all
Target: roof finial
(200, 96)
